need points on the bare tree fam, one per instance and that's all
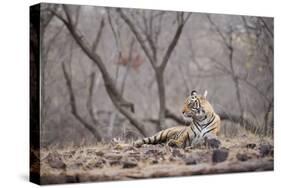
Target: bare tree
(227, 40)
(147, 38)
(124, 60)
(120, 103)
(267, 51)
(262, 30)
(102, 56)
(74, 111)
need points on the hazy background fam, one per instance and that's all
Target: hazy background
(230, 56)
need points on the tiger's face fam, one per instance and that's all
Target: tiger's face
(196, 106)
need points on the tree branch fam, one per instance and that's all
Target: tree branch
(114, 94)
(170, 115)
(247, 124)
(98, 36)
(218, 31)
(138, 36)
(266, 27)
(72, 101)
(173, 44)
(115, 34)
(148, 32)
(90, 98)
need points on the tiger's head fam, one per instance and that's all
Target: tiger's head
(196, 106)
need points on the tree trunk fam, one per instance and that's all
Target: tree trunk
(162, 99)
(236, 83)
(138, 125)
(267, 130)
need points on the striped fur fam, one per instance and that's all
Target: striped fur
(205, 125)
(173, 136)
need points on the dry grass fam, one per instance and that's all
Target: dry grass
(121, 161)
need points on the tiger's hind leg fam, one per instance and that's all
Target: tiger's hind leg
(179, 143)
(175, 143)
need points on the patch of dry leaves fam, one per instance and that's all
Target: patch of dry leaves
(121, 161)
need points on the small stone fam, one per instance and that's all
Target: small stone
(74, 166)
(251, 145)
(154, 161)
(114, 162)
(130, 148)
(55, 160)
(242, 157)
(190, 161)
(99, 163)
(100, 153)
(177, 153)
(219, 155)
(129, 164)
(118, 147)
(213, 143)
(90, 151)
(112, 156)
(266, 150)
(151, 151)
(69, 154)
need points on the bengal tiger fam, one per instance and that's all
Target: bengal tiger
(204, 127)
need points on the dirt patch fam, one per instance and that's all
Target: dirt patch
(122, 161)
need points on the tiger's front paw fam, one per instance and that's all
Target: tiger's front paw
(212, 142)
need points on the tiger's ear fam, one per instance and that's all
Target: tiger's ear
(193, 93)
(205, 94)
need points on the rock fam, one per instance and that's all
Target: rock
(219, 155)
(118, 147)
(112, 156)
(213, 143)
(130, 148)
(251, 145)
(129, 164)
(171, 159)
(266, 150)
(74, 166)
(114, 162)
(242, 157)
(100, 153)
(190, 160)
(154, 161)
(99, 163)
(90, 151)
(69, 154)
(177, 153)
(151, 151)
(55, 160)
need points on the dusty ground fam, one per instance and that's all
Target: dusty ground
(121, 161)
